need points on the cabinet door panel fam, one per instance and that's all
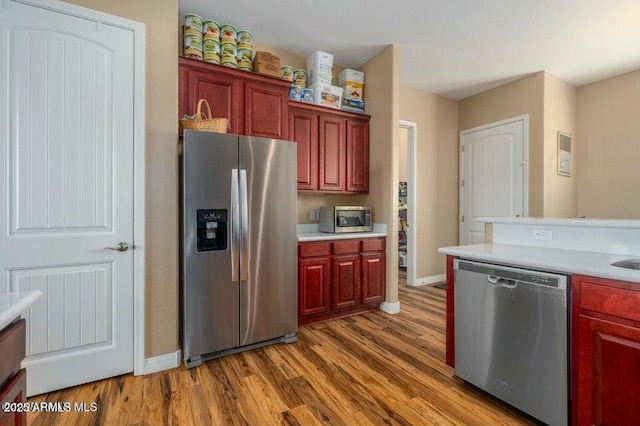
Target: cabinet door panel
(332, 153)
(221, 92)
(608, 373)
(357, 156)
(303, 129)
(346, 281)
(265, 111)
(313, 286)
(15, 391)
(373, 277)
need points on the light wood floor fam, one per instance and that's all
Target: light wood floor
(372, 368)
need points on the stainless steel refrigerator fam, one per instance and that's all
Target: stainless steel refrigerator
(238, 244)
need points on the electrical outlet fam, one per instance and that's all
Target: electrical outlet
(312, 215)
(543, 235)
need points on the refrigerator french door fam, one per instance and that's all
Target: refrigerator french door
(239, 261)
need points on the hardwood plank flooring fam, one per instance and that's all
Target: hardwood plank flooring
(367, 369)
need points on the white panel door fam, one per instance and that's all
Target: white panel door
(66, 186)
(493, 176)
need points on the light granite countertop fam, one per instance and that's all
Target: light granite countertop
(13, 304)
(548, 259)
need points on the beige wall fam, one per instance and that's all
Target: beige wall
(524, 96)
(447, 196)
(560, 191)
(608, 148)
(382, 103)
(436, 175)
(161, 245)
(308, 202)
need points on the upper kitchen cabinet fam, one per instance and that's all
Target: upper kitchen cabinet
(333, 149)
(304, 130)
(255, 105)
(358, 155)
(332, 153)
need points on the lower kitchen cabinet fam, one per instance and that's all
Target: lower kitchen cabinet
(606, 352)
(12, 377)
(341, 277)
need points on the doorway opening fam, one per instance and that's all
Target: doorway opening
(407, 202)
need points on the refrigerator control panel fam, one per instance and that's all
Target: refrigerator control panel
(212, 229)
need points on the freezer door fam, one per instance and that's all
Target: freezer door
(268, 259)
(209, 291)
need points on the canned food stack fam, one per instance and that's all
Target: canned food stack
(218, 44)
(298, 78)
(211, 37)
(229, 46)
(245, 50)
(352, 81)
(192, 36)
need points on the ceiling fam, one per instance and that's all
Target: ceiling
(453, 48)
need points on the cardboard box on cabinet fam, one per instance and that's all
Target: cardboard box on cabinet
(267, 64)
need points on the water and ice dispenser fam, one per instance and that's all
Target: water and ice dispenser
(212, 229)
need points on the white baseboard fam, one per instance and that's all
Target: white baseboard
(162, 362)
(434, 279)
(390, 308)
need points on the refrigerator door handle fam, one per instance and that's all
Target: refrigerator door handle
(244, 215)
(235, 225)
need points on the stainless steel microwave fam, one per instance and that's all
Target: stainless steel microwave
(339, 219)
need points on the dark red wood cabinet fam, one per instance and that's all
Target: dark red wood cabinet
(606, 352)
(332, 156)
(345, 273)
(357, 155)
(13, 379)
(255, 105)
(303, 129)
(333, 149)
(339, 277)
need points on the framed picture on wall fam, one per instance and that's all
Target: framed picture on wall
(564, 154)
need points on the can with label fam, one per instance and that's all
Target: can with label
(211, 50)
(228, 34)
(245, 65)
(286, 73)
(245, 39)
(192, 46)
(300, 78)
(295, 93)
(193, 24)
(211, 30)
(307, 95)
(245, 54)
(229, 49)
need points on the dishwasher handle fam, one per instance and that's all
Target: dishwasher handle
(502, 282)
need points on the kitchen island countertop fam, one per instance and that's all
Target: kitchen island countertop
(548, 259)
(13, 304)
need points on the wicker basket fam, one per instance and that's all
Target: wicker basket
(203, 122)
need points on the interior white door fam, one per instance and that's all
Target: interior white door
(66, 185)
(493, 169)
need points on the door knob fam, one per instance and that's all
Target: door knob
(122, 246)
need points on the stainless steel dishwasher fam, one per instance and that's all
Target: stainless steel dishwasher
(511, 336)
